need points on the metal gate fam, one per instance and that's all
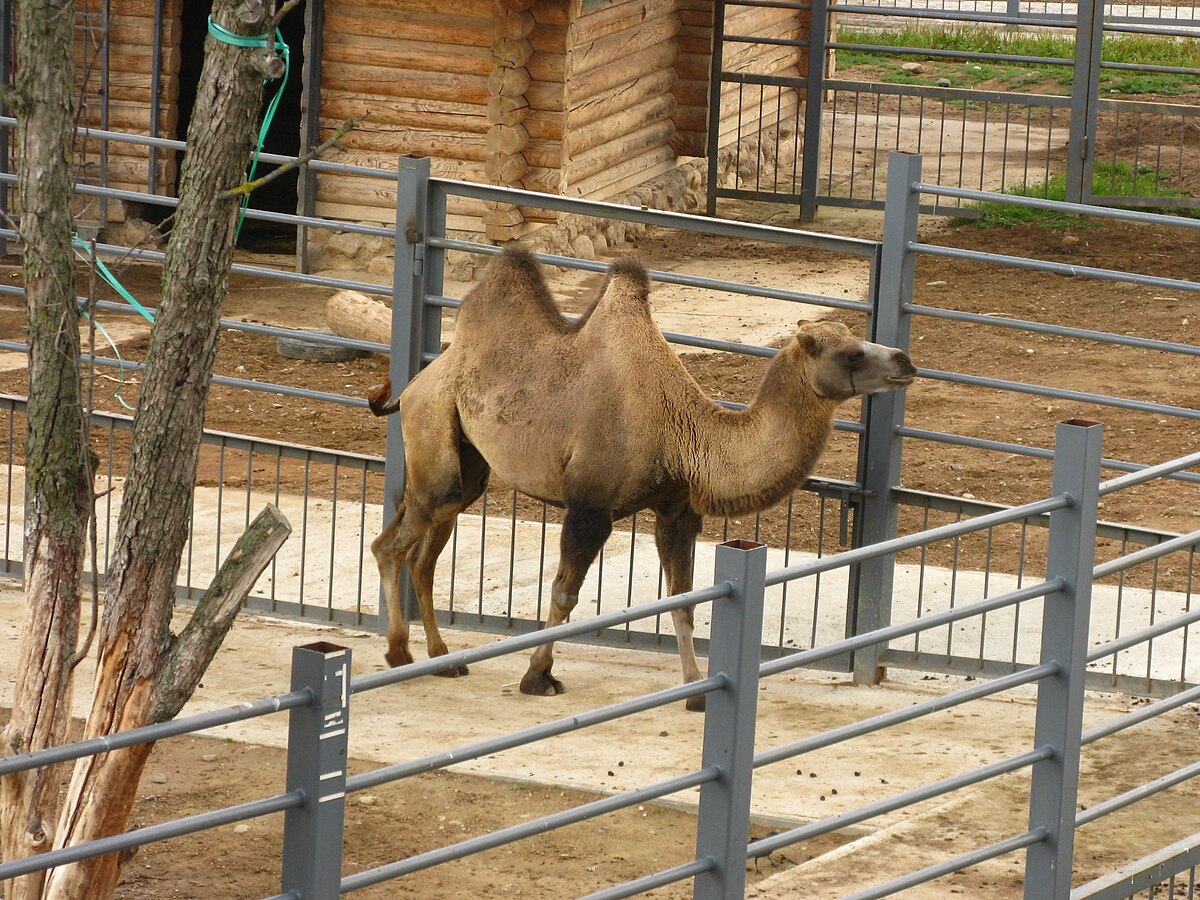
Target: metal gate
(1058, 128)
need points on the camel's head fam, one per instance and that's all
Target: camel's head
(840, 366)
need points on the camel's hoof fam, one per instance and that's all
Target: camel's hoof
(398, 657)
(695, 704)
(541, 684)
(453, 672)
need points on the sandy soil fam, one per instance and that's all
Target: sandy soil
(560, 866)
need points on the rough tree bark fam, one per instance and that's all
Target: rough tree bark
(135, 646)
(57, 483)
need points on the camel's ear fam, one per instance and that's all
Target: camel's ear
(800, 323)
(808, 344)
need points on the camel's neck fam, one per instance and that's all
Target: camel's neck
(743, 461)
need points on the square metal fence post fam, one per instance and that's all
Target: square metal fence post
(410, 336)
(723, 826)
(713, 138)
(316, 765)
(1085, 96)
(814, 103)
(1065, 617)
(892, 280)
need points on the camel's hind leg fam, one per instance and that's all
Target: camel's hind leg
(441, 472)
(584, 532)
(675, 534)
(422, 559)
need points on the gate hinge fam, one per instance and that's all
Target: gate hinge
(418, 259)
(1083, 146)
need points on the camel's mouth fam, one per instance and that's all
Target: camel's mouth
(901, 379)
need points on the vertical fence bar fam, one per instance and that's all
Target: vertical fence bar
(1065, 616)
(317, 741)
(408, 331)
(6, 37)
(310, 123)
(814, 96)
(879, 453)
(723, 826)
(1085, 93)
(713, 138)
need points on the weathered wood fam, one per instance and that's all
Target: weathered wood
(618, 16)
(145, 8)
(130, 116)
(508, 82)
(377, 215)
(407, 113)
(622, 71)
(633, 169)
(552, 12)
(57, 484)
(133, 58)
(513, 24)
(511, 52)
(657, 108)
(620, 44)
(506, 139)
(354, 315)
(622, 97)
(457, 145)
(405, 55)
(365, 79)
(126, 29)
(210, 621)
(371, 192)
(657, 134)
(381, 21)
(505, 168)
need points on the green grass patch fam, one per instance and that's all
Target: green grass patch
(1038, 77)
(1119, 180)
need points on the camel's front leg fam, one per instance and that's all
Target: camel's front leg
(583, 534)
(675, 535)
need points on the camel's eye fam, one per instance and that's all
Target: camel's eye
(856, 358)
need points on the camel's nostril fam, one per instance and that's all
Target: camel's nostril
(903, 360)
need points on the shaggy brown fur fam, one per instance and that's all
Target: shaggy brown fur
(600, 416)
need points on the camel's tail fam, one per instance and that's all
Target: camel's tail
(380, 399)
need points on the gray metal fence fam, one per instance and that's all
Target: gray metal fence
(493, 574)
(320, 700)
(1079, 140)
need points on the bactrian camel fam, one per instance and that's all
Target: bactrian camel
(599, 416)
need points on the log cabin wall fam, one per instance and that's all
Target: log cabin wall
(748, 109)
(620, 100)
(131, 25)
(474, 84)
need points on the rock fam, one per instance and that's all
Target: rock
(599, 244)
(241, 829)
(583, 247)
(158, 778)
(367, 800)
(912, 68)
(211, 757)
(380, 265)
(943, 82)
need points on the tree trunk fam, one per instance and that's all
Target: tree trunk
(57, 484)
(135, 642)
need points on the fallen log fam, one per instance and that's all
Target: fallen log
(353, 314)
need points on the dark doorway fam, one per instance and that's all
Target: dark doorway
(283, 137)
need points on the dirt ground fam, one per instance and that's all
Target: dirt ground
(203, 773)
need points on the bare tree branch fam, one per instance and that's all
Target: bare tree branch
(283, 11)
(246, 187)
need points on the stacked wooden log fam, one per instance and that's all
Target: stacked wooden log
(620, 100)
(446, 81)
(130, 90)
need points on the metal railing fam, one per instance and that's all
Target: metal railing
(317, 783)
